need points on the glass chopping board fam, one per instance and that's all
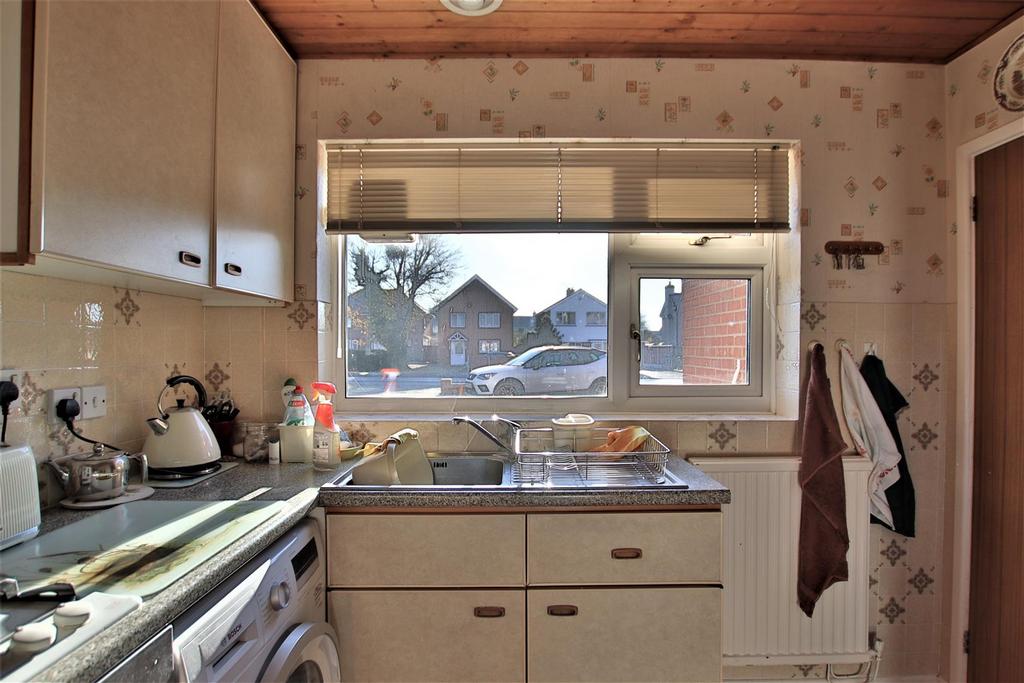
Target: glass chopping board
(137, 548)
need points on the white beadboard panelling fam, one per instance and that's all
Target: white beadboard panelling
(762, 622)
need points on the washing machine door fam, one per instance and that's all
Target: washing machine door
(307, 654)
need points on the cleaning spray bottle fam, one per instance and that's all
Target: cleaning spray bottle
(327, 435)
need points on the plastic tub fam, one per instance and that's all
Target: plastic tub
(296, 443)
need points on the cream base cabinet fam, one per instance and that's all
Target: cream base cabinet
(624, 634)
(431, 635)
(123, 134)
(254, 218)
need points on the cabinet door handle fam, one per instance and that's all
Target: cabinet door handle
(189, 259)
(627, 553)
(232, 269)
(563, 610)
(489, 612)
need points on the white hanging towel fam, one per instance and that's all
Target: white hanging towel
(870, 433)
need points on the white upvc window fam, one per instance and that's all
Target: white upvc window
(688, 330)
(565, 318)
(488, 321)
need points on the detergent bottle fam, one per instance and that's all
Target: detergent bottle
(327, 435)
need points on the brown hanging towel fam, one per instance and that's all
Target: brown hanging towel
(824, 539)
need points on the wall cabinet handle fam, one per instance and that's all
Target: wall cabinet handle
(232, 269)
(189, 259)
(489, 611)
(563, 610)
(627, 553)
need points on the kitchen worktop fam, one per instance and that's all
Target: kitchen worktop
(284, 481)
(701, 490)
(296, 485)
(301, 488)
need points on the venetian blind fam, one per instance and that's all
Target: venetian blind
(554, 187)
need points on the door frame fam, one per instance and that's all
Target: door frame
(965, 310)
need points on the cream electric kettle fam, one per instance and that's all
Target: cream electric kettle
(181, 436)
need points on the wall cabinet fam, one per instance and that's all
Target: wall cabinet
(620, 596)
(163, 144)
(255, 162)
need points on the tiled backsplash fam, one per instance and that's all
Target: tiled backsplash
(61, 334)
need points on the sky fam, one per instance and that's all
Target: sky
(534, 270)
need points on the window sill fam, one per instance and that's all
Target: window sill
(618, 417)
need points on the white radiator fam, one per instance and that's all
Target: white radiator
(762, 622)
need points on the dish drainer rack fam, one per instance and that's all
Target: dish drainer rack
(566, 457)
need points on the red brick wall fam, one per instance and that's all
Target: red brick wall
(714, 322)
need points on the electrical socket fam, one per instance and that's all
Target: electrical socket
(94, 402)
(12, 375)
(54, 396)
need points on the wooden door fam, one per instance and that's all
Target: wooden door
(997, 553)
(624, 634)
(255, 160)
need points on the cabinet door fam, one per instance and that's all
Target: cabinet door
(624, 634)
(255, 167)
(408, 635)
(123, 134)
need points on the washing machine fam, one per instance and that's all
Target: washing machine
(265, 624)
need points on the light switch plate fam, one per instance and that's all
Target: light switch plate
(94, 402)
(54, 396)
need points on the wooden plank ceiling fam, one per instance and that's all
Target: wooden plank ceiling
(869, 30)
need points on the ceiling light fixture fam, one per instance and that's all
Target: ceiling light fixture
(472, 8)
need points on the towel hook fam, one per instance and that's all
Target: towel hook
(841, 344)
(811, 344)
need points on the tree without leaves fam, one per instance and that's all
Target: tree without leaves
(392, 279)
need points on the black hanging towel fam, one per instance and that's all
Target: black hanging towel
(890, 401)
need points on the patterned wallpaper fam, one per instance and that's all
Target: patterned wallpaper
(877, 143)
(873, 136)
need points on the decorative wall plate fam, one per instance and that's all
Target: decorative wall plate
(1008, 84)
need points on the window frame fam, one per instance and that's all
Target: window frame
(479, 319)
(587, 323)
(452, 325)
(626, 253)
(565, 313)
(481, 342)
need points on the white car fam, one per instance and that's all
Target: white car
(545, 370)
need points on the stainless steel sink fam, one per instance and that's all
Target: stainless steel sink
(468, 470)
(496, 470)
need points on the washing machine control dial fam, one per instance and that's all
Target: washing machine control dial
(280, 596)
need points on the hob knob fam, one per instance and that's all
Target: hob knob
(32, 638)
(72, 614)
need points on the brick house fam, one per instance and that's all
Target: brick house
(474, 325)
(713, 326)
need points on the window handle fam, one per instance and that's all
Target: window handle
(634, 333)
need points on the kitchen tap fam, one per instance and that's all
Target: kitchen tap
(511, 424)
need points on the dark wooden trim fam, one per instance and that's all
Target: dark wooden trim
(28, 40)
(277, 34)
(986, 35)
(486, 510)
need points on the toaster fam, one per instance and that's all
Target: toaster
(19, 496)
